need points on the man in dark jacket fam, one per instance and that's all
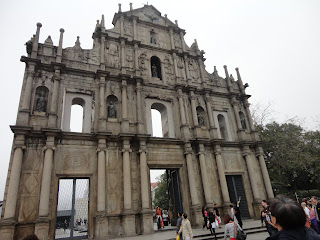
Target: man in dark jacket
(289, 218)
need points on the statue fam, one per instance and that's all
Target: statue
(112, 112)
(200, 120)
(154, 71)
(153, 38)
(41, 104)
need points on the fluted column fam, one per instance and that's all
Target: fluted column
(209, 110)
(121, 26)
(126, 176)
(124, 108)
(145, 186)
(46, 178)
(174, 55)
(186, 66)
(123, 58)
(28, 88)
(204, 177)
(191, 177)
(102, 53)
(139, 108)
(59, 51)
(102, 104)
(230, 87)
(136, 57)
(221, 173)
(101, 181)
(182, 41)
(12, 195)
(193, 109)
(265, 174)
(171, 38)
(201, 70)
(53, 108)
(134, 24)
(252, 177)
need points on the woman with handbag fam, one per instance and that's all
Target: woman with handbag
(186, 228)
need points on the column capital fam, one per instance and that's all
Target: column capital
(143, 151)
(126, 150)
(179, 91)
(233, 101)
(45, 148)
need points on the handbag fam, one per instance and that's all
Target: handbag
(177, 238)
(241, 235)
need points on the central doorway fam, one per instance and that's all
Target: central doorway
(166, 194)
(72, 209)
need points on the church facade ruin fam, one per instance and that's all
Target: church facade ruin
(143, 63)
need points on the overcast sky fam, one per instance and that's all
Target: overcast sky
(275, 44)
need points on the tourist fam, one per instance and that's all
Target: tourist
(179, 221)
(230, 228)
(237, 214)
(307, 212)
(316, 207)
(186, 228)
(205, 217)
(266, 215)
(158, 216)
(216, 211)
(232, 211)
(289, 218)
(313, 218)
(213, 225)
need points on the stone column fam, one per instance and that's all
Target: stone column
(121, 26)
(34, 52)
(252, 177)
(53, 108)
(174, 56)
(124, 108)
(204, 177)
(101, 181)
(265, 174)
(12, 195)
(134, 24)
(247, 105)
(145, 198)
(213, 129)
(46, 178)
(171, 38)
(230, 87)
(123, 59)
(136, 58)
(182, 41)
(201, 70)
(126, 175)
(139, 109)
(59, 51)
(222, 178)
(102, 52)
(191, 176)
(128, 223)
(193, 109)
(28, 88)
(102, 104)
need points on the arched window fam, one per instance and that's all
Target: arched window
(155, 67)
(223, 127)
(243, 120)
(76, 118)
(41, 99)
(112, 107)
(201, 116)
(160, 127)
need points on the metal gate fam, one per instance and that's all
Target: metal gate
(72, 209)
(175, 199)
(236, 191)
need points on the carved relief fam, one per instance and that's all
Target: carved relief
(128, 28)
(143, 64)
(231, 163)
(95, 54)
(177, 41)
(76, 161)
(168, 70)
(112, 55)
(76, 53)
(142, 34)
(129, 58)
(193, 69)
(163, 41)
(180, 65)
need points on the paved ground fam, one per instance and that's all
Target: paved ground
(165, 235)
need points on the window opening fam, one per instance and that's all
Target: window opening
(243, 120)
(155, 67)
(76, 119)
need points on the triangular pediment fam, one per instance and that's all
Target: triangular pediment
(147, 13)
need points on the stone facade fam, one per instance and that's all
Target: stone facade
(143, 63)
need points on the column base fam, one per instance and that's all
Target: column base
(129, 224)
(146, 221)
(101, 227)
(197, 216)
(7, 228)
(257, 209)
(42, 228)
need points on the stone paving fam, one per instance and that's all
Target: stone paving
(170, 234)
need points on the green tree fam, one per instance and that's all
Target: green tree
(292, 156)
(161, 195)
